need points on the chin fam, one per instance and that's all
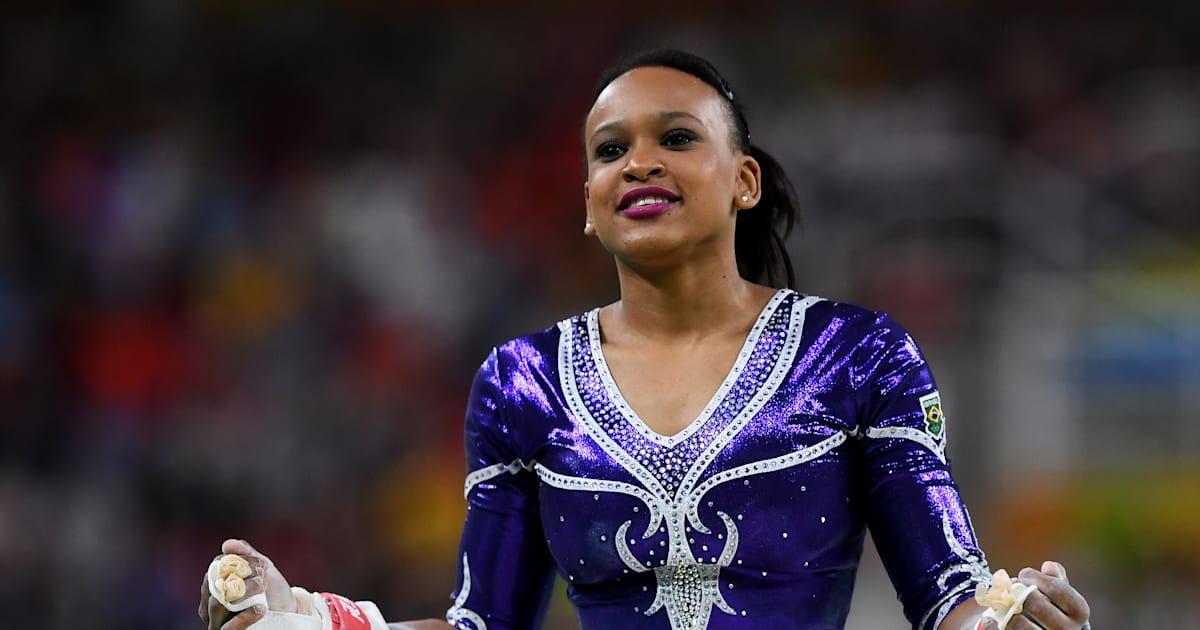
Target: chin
(654, 255)
(662, 246)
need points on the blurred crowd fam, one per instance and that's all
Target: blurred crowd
(251, 254)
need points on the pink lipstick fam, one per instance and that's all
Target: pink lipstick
(646, 201)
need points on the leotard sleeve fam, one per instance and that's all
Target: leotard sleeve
(505, 573)
(916, 516)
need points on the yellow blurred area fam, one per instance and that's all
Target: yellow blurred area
(1124, 520)
(419, 509)
(245, 295)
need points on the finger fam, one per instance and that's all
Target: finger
(1040, 609)
(205, 594)
(240, 547)
(246, 618)
(1021, 622)
(217, 614)
(255, 558)
(1059, 592)
(1056, 569)
(254, 586)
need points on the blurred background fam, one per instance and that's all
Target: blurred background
(252, 252)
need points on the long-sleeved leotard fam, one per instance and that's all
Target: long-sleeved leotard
(751, 517)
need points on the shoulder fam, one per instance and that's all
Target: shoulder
(865, 339)
(849, 320)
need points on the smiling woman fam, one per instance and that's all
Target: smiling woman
(708, 451)
(697, 114)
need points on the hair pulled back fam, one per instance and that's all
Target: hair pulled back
(759, 239)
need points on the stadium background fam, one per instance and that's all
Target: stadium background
(252, 252)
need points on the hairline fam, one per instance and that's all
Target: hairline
(726, 104)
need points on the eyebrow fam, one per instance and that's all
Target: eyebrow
(661, 117)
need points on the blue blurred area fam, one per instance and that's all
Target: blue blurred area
(251, 254)
(1140, 360)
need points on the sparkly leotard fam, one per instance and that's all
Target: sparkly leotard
(751, 517)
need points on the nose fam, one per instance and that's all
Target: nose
(642, 163)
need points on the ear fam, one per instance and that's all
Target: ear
(748, 187)
(589, 228)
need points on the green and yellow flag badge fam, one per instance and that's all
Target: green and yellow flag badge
(931, 406)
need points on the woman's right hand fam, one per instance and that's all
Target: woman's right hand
(265, 578)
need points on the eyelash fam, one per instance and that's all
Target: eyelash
(674, 139)
(684, 135)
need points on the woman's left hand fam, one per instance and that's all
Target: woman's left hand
(1055, 606)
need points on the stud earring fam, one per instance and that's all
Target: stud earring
(745, 197)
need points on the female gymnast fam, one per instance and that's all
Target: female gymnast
(709, 450)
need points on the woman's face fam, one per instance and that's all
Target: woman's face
(664, 182)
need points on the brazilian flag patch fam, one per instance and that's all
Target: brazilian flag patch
(935, 420)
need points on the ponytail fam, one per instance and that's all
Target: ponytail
(759, 242)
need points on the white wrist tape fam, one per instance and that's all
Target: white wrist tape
(286, 621)
(316, 603)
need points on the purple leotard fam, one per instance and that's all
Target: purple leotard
(751, 517)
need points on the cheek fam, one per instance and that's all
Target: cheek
(707, 169)
(600, 183)
(716, 180)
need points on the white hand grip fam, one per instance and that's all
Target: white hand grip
(216, 587)
(1019, 597)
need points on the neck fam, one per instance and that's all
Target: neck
(686, 301)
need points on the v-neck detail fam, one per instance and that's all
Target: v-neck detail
(631, 416)
(669, 467)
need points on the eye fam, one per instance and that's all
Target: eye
(607, 151)
(678, 138)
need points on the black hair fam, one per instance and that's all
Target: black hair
(759, 240)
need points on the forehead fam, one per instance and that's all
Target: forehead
(648, 92)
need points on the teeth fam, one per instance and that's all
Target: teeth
(648, 201)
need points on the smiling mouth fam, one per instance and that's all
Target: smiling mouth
(644, 202)
(647, 207)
